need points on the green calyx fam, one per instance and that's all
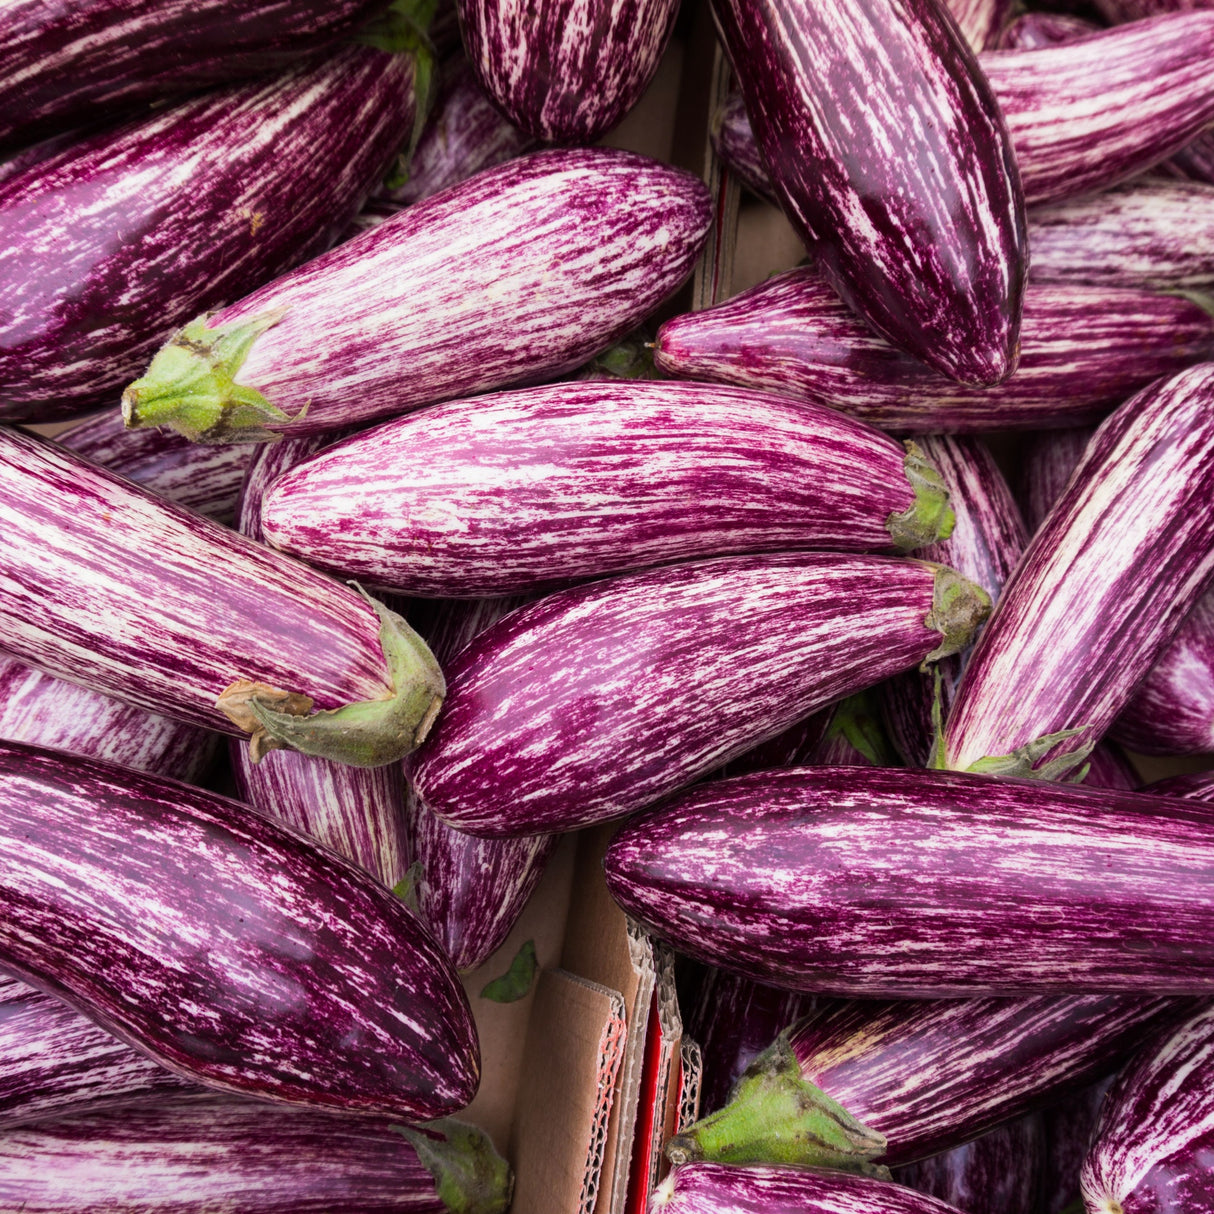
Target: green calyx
(470, 1177)
(511, 986)
(631, 358)
(958, 608)
(369, 733)
(856, 719)
(929, 517)
(191, 385)
(775, 1116)
(1025, 761)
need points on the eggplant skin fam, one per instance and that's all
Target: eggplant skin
(924, 884)
(923, 235)
(227, 947)
(60, 61)
(565, 71)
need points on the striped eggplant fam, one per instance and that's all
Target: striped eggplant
(1108, 767)
(206, 479)
(517, 491)
(177, 615)
(1045, 467)
(1084, 350)
(1195, 161)
(1068, 1125)
(1031, 31)
(858, 1084)
(922, 235)
(924, 884)
(54, 1062)
(110, 245)
(465, 134)
(999, 1173)
(565, 72)
(1192, 785)
(734, 143)
(225, 946)
(1154, 233)
(1107, 580)
(354, 810)
(1154, 1143)
(595, 701)
(59, 63)
(718, 1188)
(468, 891)
(980, 20)
(794, 746)
(984, 547)
(228, 1157)
(1140, 10)
(518, 274)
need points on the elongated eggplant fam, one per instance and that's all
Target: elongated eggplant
(925, 884)
(1068, 1125)
(734, 142)
(565, 72)
(1046, 466)
(206, 479)
(518, 274)
(1031, 31)
(1195, 161)
(999, 1173)
(1155, 233)
(224, 945)
(923, 236)
(980, 20)
(1108, 767)
(1084, 350)
(514, 492)
(58, 64)
(183, 617)
(228, 1157)
(984, 547)
(1152, 1146)
(465, 134)
(109, 246)
(1119, 562)
(1192, 785)
(55, 1062)
(597, 700)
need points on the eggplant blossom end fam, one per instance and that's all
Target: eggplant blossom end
(929, 517)
(775, 1116)
(958, 609)
(370, 733)
(191, 385)
(1025, 762)
(470, 1177)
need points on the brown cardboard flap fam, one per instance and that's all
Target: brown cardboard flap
(574, 1045)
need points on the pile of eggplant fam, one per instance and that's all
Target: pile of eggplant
(406, 521)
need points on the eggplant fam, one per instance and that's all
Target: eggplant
(923, 236)
(469, 892)
(59, 64)
(518, 274)
(1154, 233)
(855, 736)
(925, 884)
(595, 701)
(205, 479)
(1084, 350)
(980, 20)
(1141, 10)
(1108, 767)
(1068, 1125)
(54, 1062)
(1110, 576)
(109, 246)
(1046, 467)
(565, 72)
(185, 618)
(1195, 161)
(223, 945)
(1192, 785)
(999, 1173)
(734, 143)
(1031, 31)
(519, 491)
(465, 134)
(1152, 1146)
(227, 1157)
(984, 547)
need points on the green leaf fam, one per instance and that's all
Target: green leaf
(517, 980)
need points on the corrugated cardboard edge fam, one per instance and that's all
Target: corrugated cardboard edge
(691, 1081)
(670, 1028)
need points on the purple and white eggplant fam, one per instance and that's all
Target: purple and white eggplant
(1032, 31)
(1119, 562)
(925, 884)
(980, 20)
(110, 245)
(595, 701)
(1141, 10)
(1084, 350)
(1191, 785)
(1046, 465)
(223, 945)
(565, 72)
(229, 1157)
(922, 235)
(107, 586)
(513, 492)
(1195, 161)
(516, 275)
(1152, 1149)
